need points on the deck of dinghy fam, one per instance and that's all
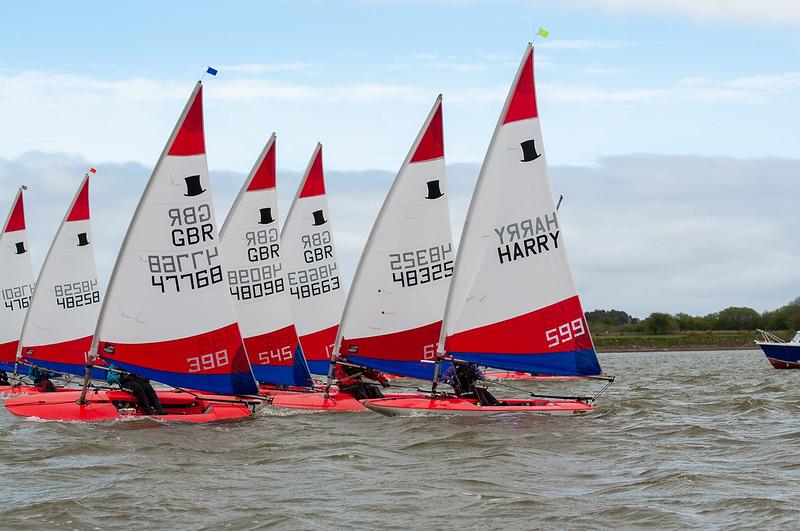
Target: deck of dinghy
(104, 405)
(398, 407)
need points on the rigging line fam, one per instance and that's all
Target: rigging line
(254, 398)
(560, 397)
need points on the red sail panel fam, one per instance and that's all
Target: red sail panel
(560, 327)
(190, 139)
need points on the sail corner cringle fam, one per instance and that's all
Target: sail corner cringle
(80, 208)
(431, 145)
(190, 139)
(523, 97)
(314, 183)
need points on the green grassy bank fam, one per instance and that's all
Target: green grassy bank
(694, 340)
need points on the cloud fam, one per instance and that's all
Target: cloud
(645, 232)
(746, 12)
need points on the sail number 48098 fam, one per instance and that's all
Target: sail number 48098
(565, 332)
(208, 362)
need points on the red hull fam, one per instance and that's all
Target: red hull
(273, 390)
(781, 364)
(461, 406)
(516, 375)
(21, 390)
(337, 401)
(114, 405)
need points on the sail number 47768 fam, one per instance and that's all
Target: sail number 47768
(565, 332)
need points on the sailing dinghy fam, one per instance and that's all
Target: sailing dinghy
(393, 313)
(512, 303)
(251, 247)
(16, 288)
(312, 272)
(59, 327)
(167, 315)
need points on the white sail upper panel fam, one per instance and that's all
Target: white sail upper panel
(404, 274)
(16, 278)
(313, 277)
(251, 246)
(66, 303)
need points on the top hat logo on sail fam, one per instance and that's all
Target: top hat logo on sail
(266, 216)
(529, 153)
(319, 218)
(20, 248)
(193, 186)
(433, 190)
(83, 241)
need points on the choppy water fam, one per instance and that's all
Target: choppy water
(704, 440)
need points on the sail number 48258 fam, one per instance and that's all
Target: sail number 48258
(565, 332)
(208, 362)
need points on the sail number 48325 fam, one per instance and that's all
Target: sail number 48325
(565, 332)
(208, 362)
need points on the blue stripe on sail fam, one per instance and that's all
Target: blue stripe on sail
(77, 369)
(302, 376)
(8, 367)
(319, 367)
(570, 363)
(241, 383)
(296, 374)
(410, 369)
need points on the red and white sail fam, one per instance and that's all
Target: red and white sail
(168, 314)
(513, 303)
(393, 317)
(312, 272)
(251, 245)
(60, 325)
(16, 281)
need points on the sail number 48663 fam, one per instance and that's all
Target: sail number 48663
(208, 362)
(565, 332)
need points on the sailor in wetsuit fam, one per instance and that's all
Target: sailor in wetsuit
(145, 395)
(350, 380)
(462, 377)
(41, 379)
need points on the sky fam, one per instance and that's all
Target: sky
(670, 125)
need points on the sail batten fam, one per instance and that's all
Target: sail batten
(167, 314)
(312, 271)
(59, 327)
(513, 303)
(393, 316)
(251, 245)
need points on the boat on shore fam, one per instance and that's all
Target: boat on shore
(781, 354)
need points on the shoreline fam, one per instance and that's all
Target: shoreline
(677, 348)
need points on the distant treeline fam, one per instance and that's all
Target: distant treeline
(786, 317)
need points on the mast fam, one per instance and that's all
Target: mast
(67, 302)
(312, 270)
(16, 277)
(250, 240)
(167, 315)
(512, 302)
(395, 304)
